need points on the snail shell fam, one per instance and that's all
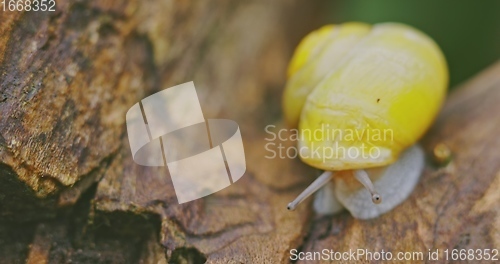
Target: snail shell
(355, 77)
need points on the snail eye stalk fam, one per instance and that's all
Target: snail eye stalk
(363, 178)
(322, 180)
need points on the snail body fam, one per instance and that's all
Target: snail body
(356, 88)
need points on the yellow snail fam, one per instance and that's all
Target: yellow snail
(361, 97)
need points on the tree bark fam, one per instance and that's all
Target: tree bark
(68, 179)
(68, 78)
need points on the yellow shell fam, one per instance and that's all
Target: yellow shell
(345, 81)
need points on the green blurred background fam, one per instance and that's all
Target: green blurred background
(468, 32)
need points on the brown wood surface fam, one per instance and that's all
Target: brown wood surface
(68, 77)
(70, 191)
(67, 80)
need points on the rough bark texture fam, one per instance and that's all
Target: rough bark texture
(68, 78)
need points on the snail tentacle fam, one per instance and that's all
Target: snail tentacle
(363, 178)
(323, 179)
